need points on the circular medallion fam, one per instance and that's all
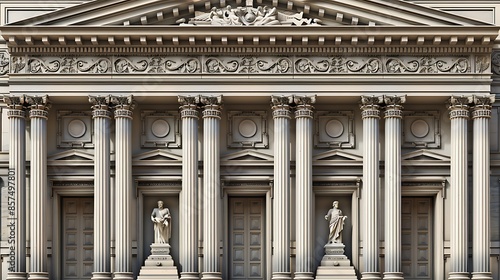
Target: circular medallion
(247, 128)
(419, 128)
(160, 128)
(334, 128)
(77, 128)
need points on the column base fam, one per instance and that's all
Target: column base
(478, 276)
(16, 276)
(458, 276)
(304, 276)
(281, 276)
(101, 276)
(190, 276)
(370, 276)
(38, 276)
(211, 276)
(123, 276)
(393, 276)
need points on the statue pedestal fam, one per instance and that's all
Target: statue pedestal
(335, 265)
(159, 264)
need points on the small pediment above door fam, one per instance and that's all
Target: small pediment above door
(425, 155)
(157, 155)
(247, 155)
(71, 155)
(337, 155)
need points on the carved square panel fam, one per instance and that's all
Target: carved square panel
(75, 129)
(255, 270)
(421, 129)
(160, 129)
(334, 130)
(247, 129)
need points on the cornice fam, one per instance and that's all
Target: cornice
(248, 39)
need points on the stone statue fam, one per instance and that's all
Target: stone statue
(161, 219)
(336, 220)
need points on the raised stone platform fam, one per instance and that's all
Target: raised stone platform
(159, 264)
(335, 265)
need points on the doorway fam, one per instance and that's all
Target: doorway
(77, 237)
(247, 238)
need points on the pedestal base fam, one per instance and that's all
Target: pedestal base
(159, 264)
(211, 276)
(458, 276)
(190, 276)
(335, 265)
(303, 276)
(101, 276)
(370, 276)
(123, 276)
(393, 276)
(16, 276)
(281, 276)
(38, 276)
(475, 276)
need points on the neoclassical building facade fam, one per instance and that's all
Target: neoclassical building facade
(248, 119)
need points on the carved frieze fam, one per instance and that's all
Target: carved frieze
(4, 63)
(160, 129)
(75, 129)
(334, 129)
(249, 64)
(421, 129)
(247, 129)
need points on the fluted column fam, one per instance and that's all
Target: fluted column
(188, 251)
(39, 106)
(16, 187)
(370, 114)
(459, 115)
(211, 187)
(393, 116)
(481, 115)
(102, 121)
(281, 203)
(304, 194)
(123, 106)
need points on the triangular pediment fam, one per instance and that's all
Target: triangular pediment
(247, 155)
(424, 155)
(178, 12)
(336, 155)
(157, 155)
(71, 155)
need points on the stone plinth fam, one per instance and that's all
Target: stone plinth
(159, 264)
(335, 265)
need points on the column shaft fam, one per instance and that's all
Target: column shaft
(481, 115)
(123, 186)
(188, 254)
(393, 115)
(102, 244)
(281, 203)
(304, 194)
(370, 114)
(211, 188)
(16, 186)
(38, 188)
(459, 115)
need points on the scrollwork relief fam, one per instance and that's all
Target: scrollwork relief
(248, 65)
(338, 64)
(428, 65)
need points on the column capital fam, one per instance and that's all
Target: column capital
(370, 106)
(459, 106)
(393, 105)
(123, 106)
(281, 106)
(482, 106)
(39, 106)
(100, 106)
(189, 106)
(212, 106)
(16, 105)
(304, 108)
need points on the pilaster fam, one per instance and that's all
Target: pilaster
(102, 121)
(371, 114)
(39, 107)
(188, 257)
(281, 203)
(16, 185)
(211, 187)
(481, 114)
(304, 194)
(392, 211)
(459, 115)
(123, 106)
